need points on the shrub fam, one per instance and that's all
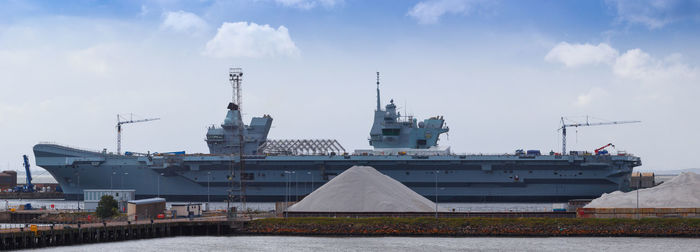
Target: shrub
(107, 207)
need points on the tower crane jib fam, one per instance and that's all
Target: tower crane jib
(564, 125)
(119, 128)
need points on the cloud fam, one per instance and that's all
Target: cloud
(655, 13)
(594, 94)
(309, 4)
(637, 64)
(573, 55)
(633, 64)
(242, 39)
(185, 22)
(430, 11)
(97, 59)
(144, 10)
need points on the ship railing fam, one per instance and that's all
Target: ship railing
(72, 147)
(482, 154)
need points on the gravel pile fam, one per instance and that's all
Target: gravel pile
(682, 191)
(363, 189)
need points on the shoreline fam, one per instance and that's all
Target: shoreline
(72, 234)
(473, 227)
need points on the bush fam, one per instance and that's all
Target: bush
(107, 207)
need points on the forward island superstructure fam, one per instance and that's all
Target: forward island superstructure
(245, 165)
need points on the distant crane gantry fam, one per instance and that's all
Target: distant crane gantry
(564, 125)
(123, 120)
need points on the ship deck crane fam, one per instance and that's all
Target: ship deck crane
(598, 151)
(119, 128)
(564, 125)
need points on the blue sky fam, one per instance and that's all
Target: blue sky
(501, 72)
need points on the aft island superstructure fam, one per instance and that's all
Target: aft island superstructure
(243, 163)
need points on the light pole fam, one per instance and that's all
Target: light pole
(296, 187)
(208, 181)
(78, 199)
(312, 181)
(122, 183)
(436, 194)
(287, 191)
(159, 184)
(111, 183)
(639, 185)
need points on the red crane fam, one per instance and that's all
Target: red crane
(602, 148)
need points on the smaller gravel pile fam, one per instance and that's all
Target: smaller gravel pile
(682, 191)
(363, 189)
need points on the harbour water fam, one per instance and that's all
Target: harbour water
(292, 243)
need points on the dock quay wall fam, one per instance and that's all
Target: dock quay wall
(64, 235)
(31, 195)
(475, 226)
(635, 213)
(432, 214)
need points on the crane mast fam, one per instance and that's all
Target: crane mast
(564, 125)
(29, 187)
(119, 128)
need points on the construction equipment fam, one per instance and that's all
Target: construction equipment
(119, 128)
(28, 186)
(602, 150)
(564, 125)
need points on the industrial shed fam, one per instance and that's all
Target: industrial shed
(187, 209)
(145, 209)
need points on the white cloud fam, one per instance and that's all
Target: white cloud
(144, 10)
(633, 64)
(97, 59)
(594, 94)
(655, 13)
(637, 64)
(309, 4)
(573, 55)
(429, 12)
(242, 39)
(181, 21)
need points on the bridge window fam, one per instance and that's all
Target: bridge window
(391, 132)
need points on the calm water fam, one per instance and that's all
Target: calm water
(286, 243)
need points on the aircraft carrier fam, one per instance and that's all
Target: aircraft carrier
(243, 165)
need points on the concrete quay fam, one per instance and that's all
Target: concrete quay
(76, 234)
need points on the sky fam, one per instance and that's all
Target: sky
(502, 73)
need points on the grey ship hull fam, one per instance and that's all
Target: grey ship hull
(459, 178)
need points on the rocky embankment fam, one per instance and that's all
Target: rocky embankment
(474, 227)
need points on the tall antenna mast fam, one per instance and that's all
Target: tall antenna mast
(379, 105)
(236, 77)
